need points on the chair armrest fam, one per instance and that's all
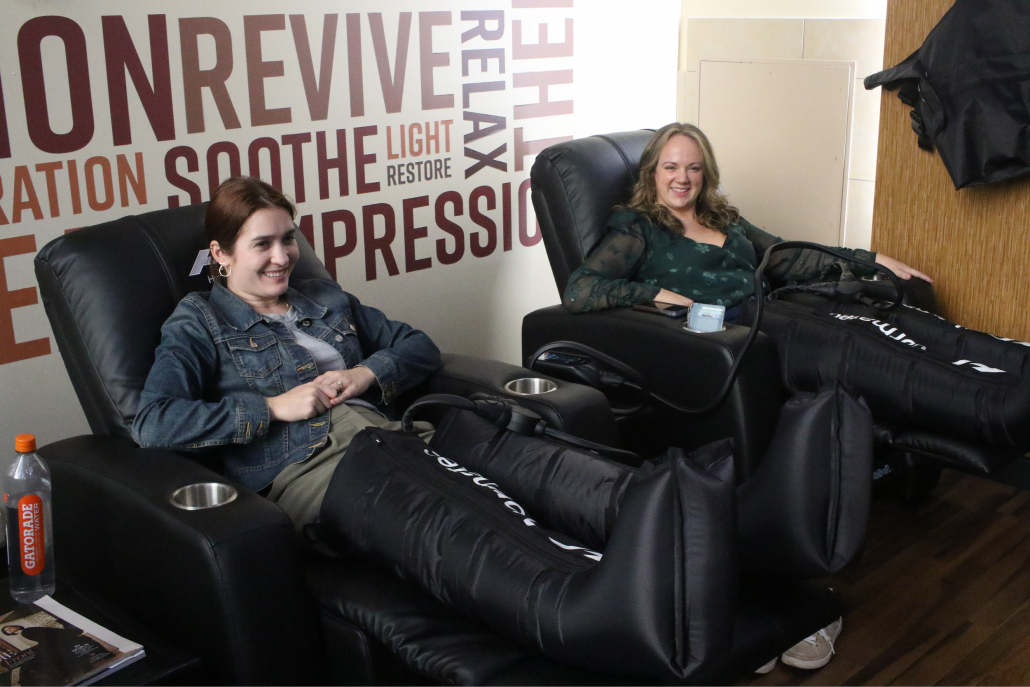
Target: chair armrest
(573, 408)
(686, 368)
(224, 583)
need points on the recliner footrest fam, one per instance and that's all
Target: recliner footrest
(440, 644)
(430, 638)
(952, 452)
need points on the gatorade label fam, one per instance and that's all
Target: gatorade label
(30, 533)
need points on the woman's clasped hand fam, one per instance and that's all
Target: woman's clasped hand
(306, 401)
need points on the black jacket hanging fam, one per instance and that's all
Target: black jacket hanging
(969, 89)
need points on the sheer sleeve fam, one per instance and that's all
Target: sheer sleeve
(799, 264)
(604, 280)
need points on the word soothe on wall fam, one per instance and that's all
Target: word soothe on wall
(402, 136)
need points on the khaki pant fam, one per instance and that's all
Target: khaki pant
(300, 488)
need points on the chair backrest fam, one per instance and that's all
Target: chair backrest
(107, 289)
(576, 185)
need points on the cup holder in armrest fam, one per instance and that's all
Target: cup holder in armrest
(530, 386)
(202, 495)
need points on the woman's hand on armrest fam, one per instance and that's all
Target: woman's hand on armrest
(899, 268)
(666, 296)
(302, 402)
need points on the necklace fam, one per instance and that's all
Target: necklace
(280, 314)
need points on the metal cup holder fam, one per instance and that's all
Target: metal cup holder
(530, 386)
(202, 495)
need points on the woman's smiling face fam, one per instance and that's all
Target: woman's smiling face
(262, 259)
(680, 173)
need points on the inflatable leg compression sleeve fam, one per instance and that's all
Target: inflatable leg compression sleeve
(566, 488)
(809, 495)
(659, 602)
(803, 513)
(913, 368)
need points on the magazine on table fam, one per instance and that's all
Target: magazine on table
(45, 643)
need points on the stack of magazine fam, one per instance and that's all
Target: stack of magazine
(45, 643)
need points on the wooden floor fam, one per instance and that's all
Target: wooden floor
(940, 597)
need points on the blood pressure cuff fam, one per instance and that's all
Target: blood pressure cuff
(914, 369)
(660, 601)
(802, 514)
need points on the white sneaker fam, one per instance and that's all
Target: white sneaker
(814, 651)
(767, 668)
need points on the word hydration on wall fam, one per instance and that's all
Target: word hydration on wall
(393, 131)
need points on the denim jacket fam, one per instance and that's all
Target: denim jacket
(219, 360)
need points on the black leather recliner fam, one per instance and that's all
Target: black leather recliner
(575, 186)
(232, 584)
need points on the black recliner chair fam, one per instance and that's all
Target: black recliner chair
(232, 584)
(575, 186)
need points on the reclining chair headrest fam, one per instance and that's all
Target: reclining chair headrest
(107, 289)
(575, 186)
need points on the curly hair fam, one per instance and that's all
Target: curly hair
(713, 209)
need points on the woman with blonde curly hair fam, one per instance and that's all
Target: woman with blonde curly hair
(678, 240)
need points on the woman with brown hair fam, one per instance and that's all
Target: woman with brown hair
(281, 373)
(678, 240)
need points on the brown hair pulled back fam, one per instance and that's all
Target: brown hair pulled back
(232, 204)
(713, 209)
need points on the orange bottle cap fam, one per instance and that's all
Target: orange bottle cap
(23, 443)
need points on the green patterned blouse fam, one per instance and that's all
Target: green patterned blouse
(637, 258)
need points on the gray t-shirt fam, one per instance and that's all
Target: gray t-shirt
(326, 357)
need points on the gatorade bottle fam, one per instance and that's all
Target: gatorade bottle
(30, 540)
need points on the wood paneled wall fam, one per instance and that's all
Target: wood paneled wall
(975, 243)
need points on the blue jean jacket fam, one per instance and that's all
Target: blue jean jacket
(219, 360)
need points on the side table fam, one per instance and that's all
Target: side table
(163, 663)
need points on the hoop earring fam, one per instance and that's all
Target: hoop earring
(222, 272)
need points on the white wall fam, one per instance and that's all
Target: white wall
(624, 77)
(848, 30)
(825, 9)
